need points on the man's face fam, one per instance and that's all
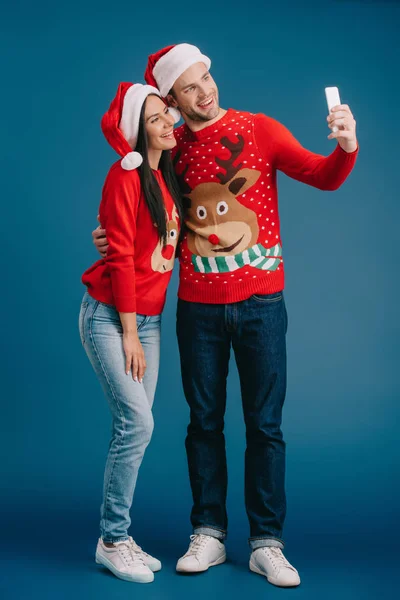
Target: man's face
(195, 94)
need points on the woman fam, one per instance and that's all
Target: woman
(120, 314)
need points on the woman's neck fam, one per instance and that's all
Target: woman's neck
(154, 158)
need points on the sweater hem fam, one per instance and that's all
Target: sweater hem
(219, 293)
(145, 308)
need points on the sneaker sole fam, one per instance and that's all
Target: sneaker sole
(272, 580)
(144, 578)
(219, 561)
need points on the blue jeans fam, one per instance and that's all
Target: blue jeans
(130, 404)
(256, 329)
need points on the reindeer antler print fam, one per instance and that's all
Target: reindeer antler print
(183, 185)
(227, 164)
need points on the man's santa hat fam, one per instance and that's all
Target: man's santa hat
(165, 66)
(120, 124)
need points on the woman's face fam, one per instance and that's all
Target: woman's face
(159, 125)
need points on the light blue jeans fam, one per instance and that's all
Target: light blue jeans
(130, 404)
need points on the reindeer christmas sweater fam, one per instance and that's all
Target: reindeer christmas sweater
(227, 173)
(136, 271)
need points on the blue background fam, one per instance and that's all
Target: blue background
(61, 66)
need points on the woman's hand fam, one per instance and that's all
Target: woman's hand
(134, 356)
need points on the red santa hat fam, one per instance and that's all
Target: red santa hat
(165, 66)
(120, 124)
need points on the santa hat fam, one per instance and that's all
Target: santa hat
(165, 66)
(120, 124)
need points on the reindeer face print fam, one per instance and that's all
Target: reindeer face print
(219, 225)
(162, 259)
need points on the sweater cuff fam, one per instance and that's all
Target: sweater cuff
(125, 304)
(349, 153)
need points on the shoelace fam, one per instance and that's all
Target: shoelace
(277, 558)
(197, 543)
(130, 557)
(136, 548)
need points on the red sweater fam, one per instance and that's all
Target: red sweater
(135, 274)
(227, 172)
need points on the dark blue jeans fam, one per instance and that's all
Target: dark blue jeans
(256, 330)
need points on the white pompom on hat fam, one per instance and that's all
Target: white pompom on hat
(120, 124)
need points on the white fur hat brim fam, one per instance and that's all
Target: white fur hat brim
(133, 102)
(171, 66)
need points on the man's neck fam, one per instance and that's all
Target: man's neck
(199, 125)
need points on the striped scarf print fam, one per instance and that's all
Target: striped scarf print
(257, 256)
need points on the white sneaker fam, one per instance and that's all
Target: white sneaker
(270, 562)
(124, 562)
(153, 563)
(204, 552)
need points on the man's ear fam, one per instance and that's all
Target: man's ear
(171, 101)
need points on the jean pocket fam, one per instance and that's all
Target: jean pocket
(111, 306)
(105, 313)
(268, 298)
(141, 321)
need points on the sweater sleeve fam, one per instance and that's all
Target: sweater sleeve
(120, 200)
(276, 143)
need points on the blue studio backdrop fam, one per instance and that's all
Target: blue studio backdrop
(61, 64)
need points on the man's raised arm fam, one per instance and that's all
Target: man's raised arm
(290, 157)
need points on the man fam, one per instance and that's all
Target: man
(230, 295)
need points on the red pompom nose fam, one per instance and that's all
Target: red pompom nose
(167, 251)
(213, 239)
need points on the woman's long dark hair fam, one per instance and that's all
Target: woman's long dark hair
(151, 190)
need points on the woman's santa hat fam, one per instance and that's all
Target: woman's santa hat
(167, 65)
(120, 124)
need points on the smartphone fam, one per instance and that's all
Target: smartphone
(332, 99)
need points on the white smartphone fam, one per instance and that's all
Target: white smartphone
(332, 99)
